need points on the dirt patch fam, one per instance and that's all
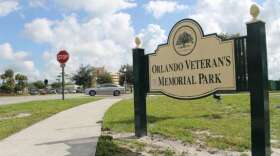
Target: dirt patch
(155, 145)
(20, 115)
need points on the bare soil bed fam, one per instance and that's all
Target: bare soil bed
(156, 145)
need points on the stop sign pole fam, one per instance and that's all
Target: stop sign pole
(62, 67)
(62, 58)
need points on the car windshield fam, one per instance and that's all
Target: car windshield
(108, 85)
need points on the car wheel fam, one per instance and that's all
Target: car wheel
(92, 93)
(117, 93)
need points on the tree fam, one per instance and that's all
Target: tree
(277, 84)
(225, 36)
(9, 73)
(84, 76)
(3, 77)
(104, 78)
(39, 84)
(8, 86)
(56, 85)
(128, 74)
(183, 39)
(8, 81)
(21, 82)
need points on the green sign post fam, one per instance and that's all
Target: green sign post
(184, 69)
(258, 87)
(140, 72)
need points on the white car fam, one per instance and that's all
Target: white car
(105, 89)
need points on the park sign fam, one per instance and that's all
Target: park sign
(192, 65)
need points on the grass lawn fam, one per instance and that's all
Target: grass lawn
(223, 125)
(38, 110)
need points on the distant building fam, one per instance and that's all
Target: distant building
(100, 71)
(96, 72)
(115, 78)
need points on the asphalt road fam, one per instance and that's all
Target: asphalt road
(20, 99)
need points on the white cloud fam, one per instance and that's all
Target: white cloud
(29, 65)
(97, 41)
(97, 7)
(21, 55)
(18, 61)
(40, 29)
(47, 56)
(8, 6)
(37, 3)
(161, 7)
(152, 36)
(271, 15)
(8, 53)
(104, 38)
(222, 16)
(230, 16)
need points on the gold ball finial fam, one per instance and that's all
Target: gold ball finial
(254, 11)
(137, 42)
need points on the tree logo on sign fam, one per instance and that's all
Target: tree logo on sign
(184, 40)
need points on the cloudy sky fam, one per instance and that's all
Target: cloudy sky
(101, 32)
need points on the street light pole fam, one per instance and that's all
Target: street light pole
(125, 86)
(96, 81)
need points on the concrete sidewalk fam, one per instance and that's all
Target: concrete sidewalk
(73, 132)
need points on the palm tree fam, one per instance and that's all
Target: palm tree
(3, 77)
(21, 82)
(17, 77)
(24, 78)
(9, 73)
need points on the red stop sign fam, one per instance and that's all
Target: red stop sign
(62, 57)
